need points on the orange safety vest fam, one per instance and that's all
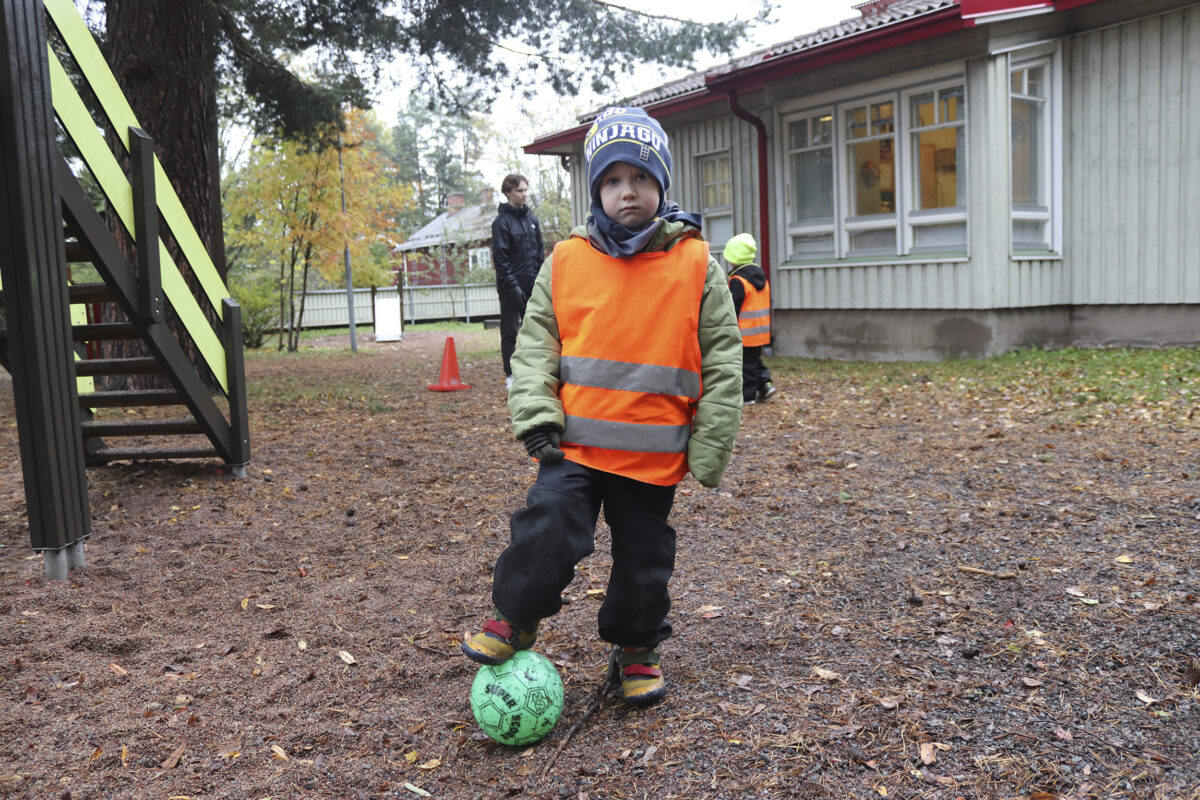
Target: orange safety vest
(754, 320)
(630, 365)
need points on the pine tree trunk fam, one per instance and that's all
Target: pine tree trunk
(165, 61)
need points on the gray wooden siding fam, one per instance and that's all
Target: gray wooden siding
(1132, 162)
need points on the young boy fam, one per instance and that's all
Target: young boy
(752, 301)
(625, 378)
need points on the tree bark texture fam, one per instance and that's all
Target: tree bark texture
(163, 54)
(164, 58)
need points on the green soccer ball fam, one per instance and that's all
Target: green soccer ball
(517, 702)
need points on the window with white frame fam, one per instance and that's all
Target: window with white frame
(480, 257)
(870, 136)
(937, 214)
(878, 177)
(810, 164)
(1029, 94)
(716, 198)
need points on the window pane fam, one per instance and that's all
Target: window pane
(1027, 167)
(798, 134)
(873, 242)
(716, 191)
(822, 130)
(950, 104)
(1037, 82)
(812, 246)
(940, 237)
(1030, 234)
(725, 194)
(718, 230)
(873, 178)
(812, 180)
(1018, 81)
(937, 154)
(923, 110)
(881, 118)
(856, 123)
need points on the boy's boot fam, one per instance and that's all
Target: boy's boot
(637, 671)
(498, 640)
(766, 391)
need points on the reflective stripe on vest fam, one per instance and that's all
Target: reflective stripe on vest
(629, 369)
(754, 320)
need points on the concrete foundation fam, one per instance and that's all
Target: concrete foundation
(938, 334)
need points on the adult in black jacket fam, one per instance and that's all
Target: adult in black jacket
(517, 253)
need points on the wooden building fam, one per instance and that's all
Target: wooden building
(451, 245)
(941, 178)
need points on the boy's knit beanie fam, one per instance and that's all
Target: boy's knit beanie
(627, 134)
(740, 250)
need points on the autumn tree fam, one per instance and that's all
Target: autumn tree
(286, 218)
(169, 58)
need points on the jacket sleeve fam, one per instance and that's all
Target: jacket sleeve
(533, 399)
(502, 256)
(738, 292)
(719, 412)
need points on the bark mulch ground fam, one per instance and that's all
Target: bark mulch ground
(930, 590)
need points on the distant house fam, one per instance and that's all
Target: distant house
(942, 178)
(457, 241)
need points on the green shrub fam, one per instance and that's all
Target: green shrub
(260, 308)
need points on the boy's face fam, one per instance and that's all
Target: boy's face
(518, 195)
(629, 195)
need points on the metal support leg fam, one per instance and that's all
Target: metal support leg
(58, 563)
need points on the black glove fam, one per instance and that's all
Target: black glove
(542, 444)
(517, 297)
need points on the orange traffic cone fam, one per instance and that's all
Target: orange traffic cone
(448, 380)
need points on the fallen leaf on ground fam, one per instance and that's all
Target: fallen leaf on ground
(173, 759)
(826, 674)
(1145, 698)
(344, 656)
(432, 763)
(118, 670)
(928, 753)
(278, 752)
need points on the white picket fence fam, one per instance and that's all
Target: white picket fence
(327, 308)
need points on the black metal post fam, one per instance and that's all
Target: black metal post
(145, 224)
(34, 272)
(239, 416)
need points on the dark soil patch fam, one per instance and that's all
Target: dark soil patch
(922, 595)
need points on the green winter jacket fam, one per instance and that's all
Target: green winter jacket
(533, 400)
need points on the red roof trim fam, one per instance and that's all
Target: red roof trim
(874, 40)
(948, 20)
(547, 144)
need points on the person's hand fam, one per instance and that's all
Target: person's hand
(542, 444)
(517, 297)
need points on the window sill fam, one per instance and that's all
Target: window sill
(879, 261)
(1035, 255)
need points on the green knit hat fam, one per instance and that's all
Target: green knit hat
(741, 249)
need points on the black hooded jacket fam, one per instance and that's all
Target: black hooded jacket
(752, 273)
(517, 250)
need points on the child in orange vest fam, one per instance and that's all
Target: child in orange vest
(625, 379)
(752, 301)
